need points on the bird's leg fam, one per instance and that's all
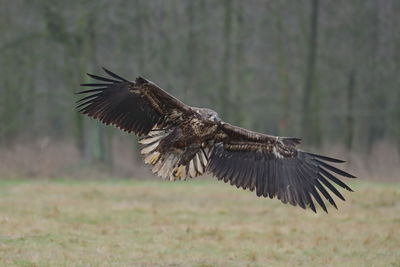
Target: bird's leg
(181, 167)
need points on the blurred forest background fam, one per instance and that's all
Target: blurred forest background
(325, 71)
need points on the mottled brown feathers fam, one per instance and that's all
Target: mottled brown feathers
(183, 142)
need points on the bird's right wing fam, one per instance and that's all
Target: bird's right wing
(133, 106)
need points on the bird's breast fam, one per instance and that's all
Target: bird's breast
(196, 130)
(203, 128)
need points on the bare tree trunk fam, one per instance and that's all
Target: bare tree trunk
(224, 93)
(191, 50)
(349, 111)
(239, 79)
(311, 120)
(397, 122)
(283, 79)
(101, 149)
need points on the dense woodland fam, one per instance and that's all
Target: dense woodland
(325, 71)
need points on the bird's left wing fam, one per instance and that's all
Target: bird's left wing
(133, 106)
(274, 167)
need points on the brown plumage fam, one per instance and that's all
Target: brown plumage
(181, 142)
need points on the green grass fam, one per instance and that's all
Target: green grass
(197, 223)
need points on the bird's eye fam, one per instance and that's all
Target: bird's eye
(214, 118)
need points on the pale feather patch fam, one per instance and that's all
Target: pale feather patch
(164, 170)
(149, 148)
(197, 163)
(203, 159)
(207, 152)
(192, 170)
(174, 161)
(166, 165)
(149, 140)
(276, 153)
(157, 166)
(157, 132)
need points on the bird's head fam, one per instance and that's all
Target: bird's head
(209, 114)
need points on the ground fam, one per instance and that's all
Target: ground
(197, 223)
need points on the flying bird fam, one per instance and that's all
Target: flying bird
(181, 141)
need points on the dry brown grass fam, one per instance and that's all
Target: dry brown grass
(197, 223)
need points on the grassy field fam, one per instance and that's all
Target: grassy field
(197, 223)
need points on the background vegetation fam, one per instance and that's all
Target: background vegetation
(325, 71)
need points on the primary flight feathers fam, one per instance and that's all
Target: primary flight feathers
(181, 142)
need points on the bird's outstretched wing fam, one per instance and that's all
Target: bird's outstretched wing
(133, 106)
(274, 167)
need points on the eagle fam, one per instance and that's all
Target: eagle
(180, 141)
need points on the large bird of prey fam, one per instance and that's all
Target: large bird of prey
(181, 142)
